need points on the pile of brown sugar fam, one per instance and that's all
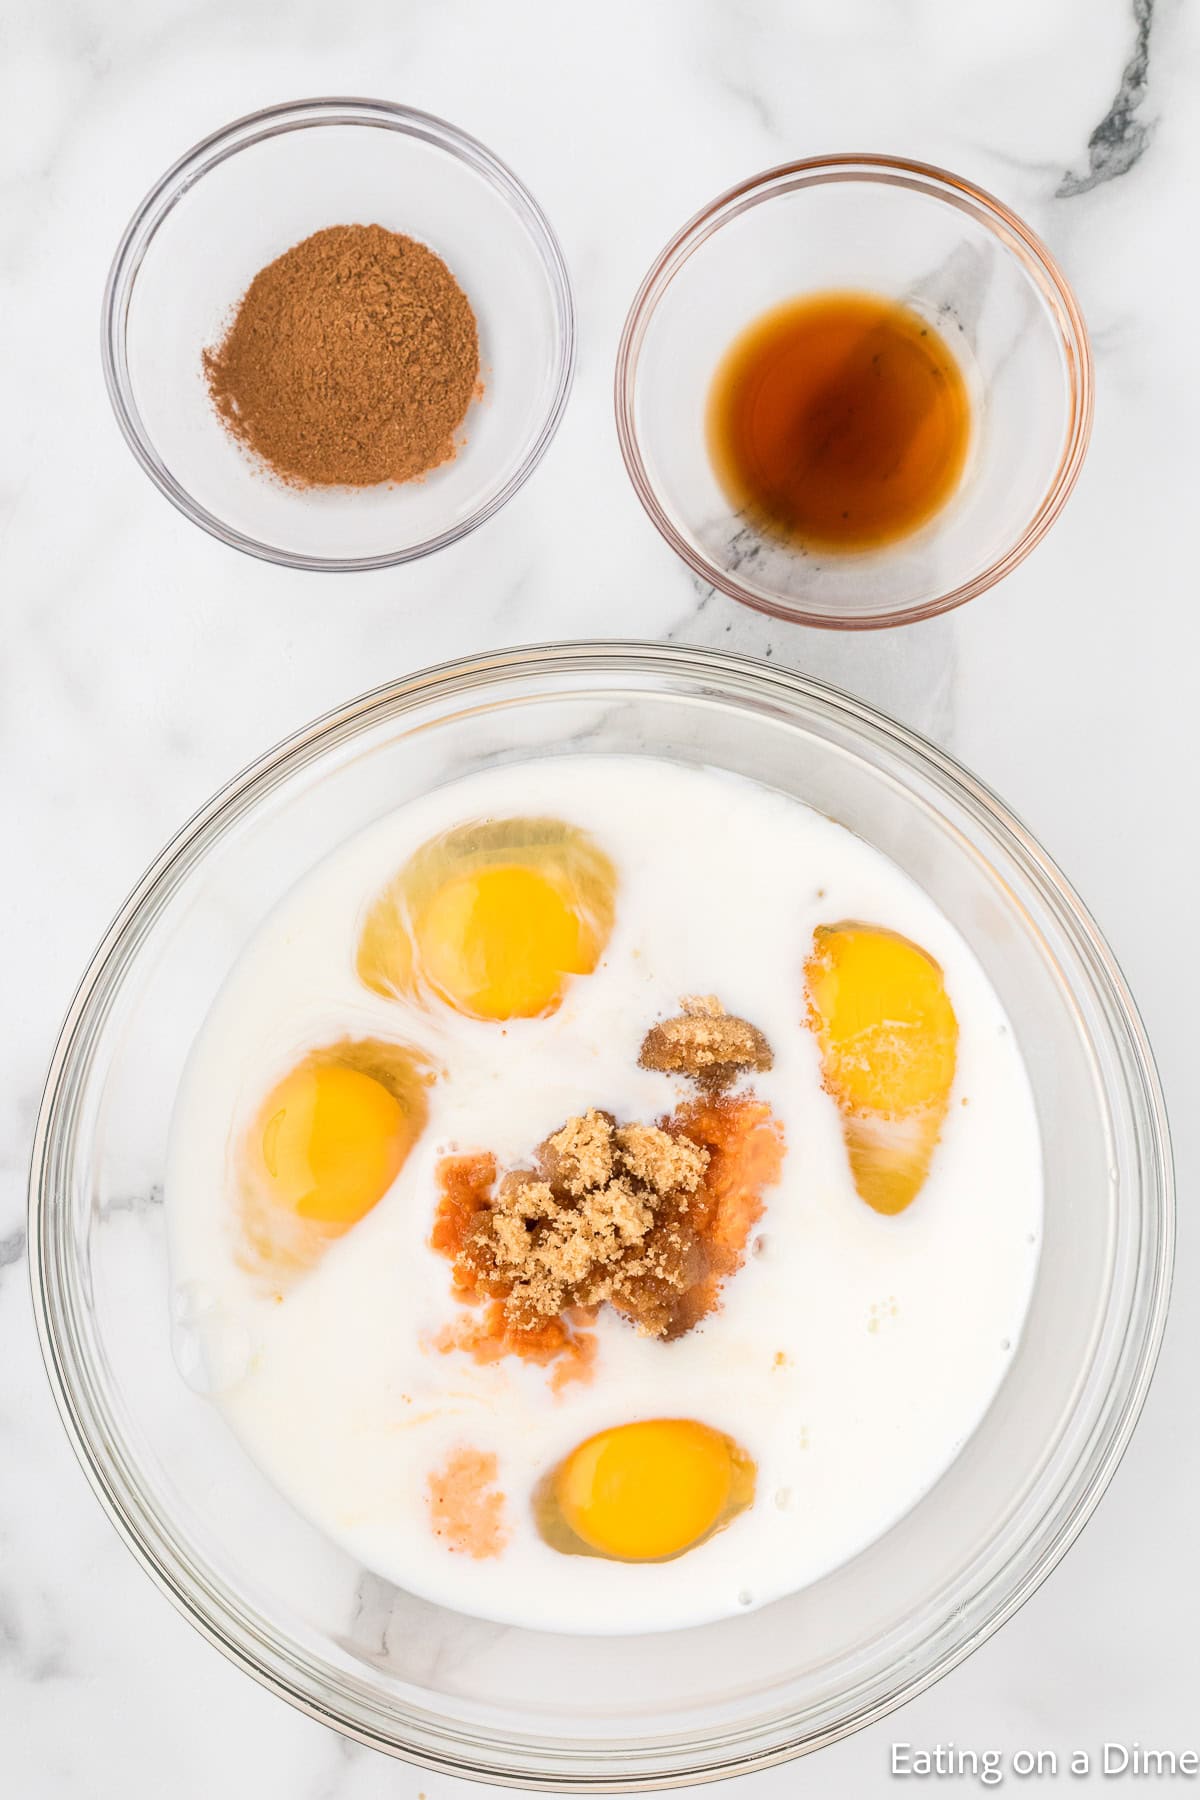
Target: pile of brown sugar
(650, 1219)
(351, 360)
(602, 1217)
(706, 1043)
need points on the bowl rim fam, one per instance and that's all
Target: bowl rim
(1041, 267)
(241, 134)
(550, 1766)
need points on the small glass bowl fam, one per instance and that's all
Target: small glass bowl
(241, 198)
(536, 1709)
(908, 232)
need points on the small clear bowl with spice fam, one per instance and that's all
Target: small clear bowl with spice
(338, 334)
(854, 391)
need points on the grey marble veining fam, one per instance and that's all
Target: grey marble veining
(143, 664)
(1123, 134)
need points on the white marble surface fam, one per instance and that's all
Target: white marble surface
(142, 664)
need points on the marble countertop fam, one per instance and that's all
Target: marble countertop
(144, 663)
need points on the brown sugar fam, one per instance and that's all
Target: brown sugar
(650, 1219)
(705, 1043)
(466, 1508)
(351, 360)
(581, 1226)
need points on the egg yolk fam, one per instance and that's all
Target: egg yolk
(648, 1491)
(498, 943)
(888, 1038)
(887, 1029)
(494, 919)
(323, 1148)
(333, 1141)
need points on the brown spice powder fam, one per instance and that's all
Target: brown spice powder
(351, 360)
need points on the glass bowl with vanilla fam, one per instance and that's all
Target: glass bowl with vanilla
(338, 334)
(854, 391)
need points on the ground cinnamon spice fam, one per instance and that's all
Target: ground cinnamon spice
(351, 360)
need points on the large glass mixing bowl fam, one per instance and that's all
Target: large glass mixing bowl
(522, 1706)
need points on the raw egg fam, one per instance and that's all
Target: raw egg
(493, 919)
(645, 1492)
(326, 1144)
(888, 1038)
